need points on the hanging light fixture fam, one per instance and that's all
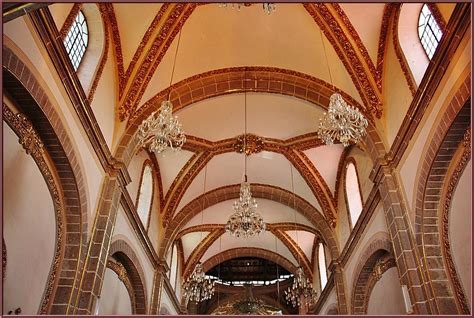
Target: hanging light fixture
(342, 121)
(301, 291)
(199, 287)
(162, 130)
(268, 7)
(245, 221)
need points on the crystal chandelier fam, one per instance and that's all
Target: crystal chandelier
(268, 7)
(342, 122)
(161, 129)
(198, 287)
(301, 291)
(245, 221)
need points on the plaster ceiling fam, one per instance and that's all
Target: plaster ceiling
(213, 38)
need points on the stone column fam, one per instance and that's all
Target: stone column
(337, 273)
(406, 254)
(158, 284)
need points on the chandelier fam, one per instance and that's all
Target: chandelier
(198, 287)
(301, 291)
(342, 122)
(268, 7)
(245, 221)
(161, 129)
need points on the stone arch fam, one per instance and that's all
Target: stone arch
(432, 240)
(237, 80)
(249, 252)
(258, 191)
(121, 251)
(377, 253)
(28, 93)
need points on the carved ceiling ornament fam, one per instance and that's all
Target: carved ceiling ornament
(33, 145)
(252, 143)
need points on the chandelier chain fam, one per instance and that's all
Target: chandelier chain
(174, 62)
(294, 210)
(245, 124)
(326, 56)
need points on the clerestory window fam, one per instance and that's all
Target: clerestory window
(76, 40)
(429, 31)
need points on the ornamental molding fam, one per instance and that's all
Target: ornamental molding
(136, 84)
(245, 78)
(122, 275)
(31, 142)
(292, 149)
(446, 209)
(252, 143)
(399, 52)
(348, 55)
(69, 20)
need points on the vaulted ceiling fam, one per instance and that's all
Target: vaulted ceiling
(289, 63)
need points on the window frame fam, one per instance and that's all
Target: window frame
(78, 43)
(427, 25)
(322, 245)
(146, 163)
(351, 160)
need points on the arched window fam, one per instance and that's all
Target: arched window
(354, 199)
(145, 194)
(323, 276)
(174, 266)
(429, 31)
(76, 40)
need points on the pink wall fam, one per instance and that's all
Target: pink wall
(29, 228)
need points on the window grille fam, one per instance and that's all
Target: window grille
(76, 40)
(429, 31)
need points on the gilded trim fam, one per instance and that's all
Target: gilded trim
(207, 150)
(384, 29)
(145, 41)
(104, 56)
(338, 39)
(399, 52)
(33, 146)
(69, 20)
(446, 208)
(122, 275)
(138, 83)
